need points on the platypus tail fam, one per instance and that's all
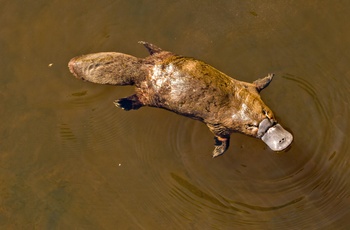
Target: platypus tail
(108, 68)
(114, 68)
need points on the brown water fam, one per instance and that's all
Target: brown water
(70, 160)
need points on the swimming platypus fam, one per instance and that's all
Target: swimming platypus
(187, 87)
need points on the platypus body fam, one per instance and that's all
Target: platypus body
(188, 87)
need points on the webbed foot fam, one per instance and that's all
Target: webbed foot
(262, 83)
(128, 103)
(221, 145)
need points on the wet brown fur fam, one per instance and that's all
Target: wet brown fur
(183, 85)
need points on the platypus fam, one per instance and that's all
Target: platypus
(188, 87)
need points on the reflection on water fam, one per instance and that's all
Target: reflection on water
(69, 157)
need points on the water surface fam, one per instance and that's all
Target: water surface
(70, 159)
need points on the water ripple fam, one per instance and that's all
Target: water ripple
(249, 186)
(286, 190)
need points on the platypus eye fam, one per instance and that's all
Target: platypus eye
(267, 114)
(251, 126)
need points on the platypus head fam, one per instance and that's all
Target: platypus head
(259, 120)
(260, 123)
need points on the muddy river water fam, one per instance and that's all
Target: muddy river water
(69, 159)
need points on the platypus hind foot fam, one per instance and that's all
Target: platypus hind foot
(221, 145)
(128, 103)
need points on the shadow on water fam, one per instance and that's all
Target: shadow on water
(70, 159)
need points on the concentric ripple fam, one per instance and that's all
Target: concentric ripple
(302, 188)
(250, 186)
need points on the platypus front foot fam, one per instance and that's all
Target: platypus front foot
(221, 145)
(262, 83)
